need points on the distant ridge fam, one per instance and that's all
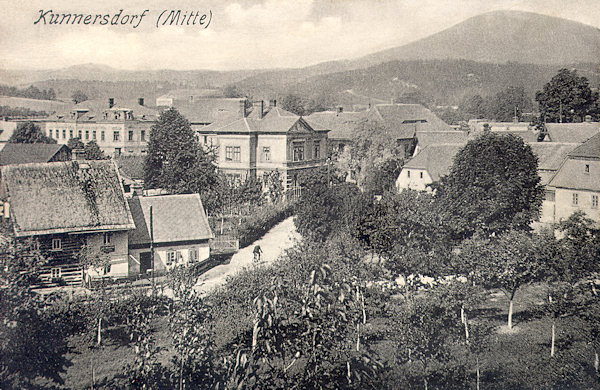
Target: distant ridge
(500, 37)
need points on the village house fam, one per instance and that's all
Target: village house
(171, 230)
(576, 184)
(431, 163)
(131, 171)
(264, 140)
(77, 213)
(33, 153)
(118, 127)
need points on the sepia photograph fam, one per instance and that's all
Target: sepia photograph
(300, 194)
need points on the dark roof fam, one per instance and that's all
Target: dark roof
(174, 218)
(426, 138)
(29, 153)
(526, 135)
(131, 167)
(92, 110)
(589, 149)
(572, 132)
(60, 197)
(435, 159)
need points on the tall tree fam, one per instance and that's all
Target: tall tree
(293, 103)
(493, 186)
(567, 97)
(29, 133)
(78, 97)
(93, 152)
(75, 143)
(176, 161)
(507, 104)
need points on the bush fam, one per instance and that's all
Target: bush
(261, 221)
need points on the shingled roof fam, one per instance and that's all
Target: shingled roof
(589, 149)
(435, 159)
(92, 110)
(342, 125)
(203, 111)
(408, 118)
(29, 153)
(572, 132)
(65, 197)
(550, 156)
(175, 218)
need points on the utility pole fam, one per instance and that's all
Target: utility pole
(152, 252)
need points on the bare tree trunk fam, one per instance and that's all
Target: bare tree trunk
(358, 337)
(552, 349)
(510, 313)
(425, 382)
(99, 338)
(596, 360)
(93, 374)
(466, 322)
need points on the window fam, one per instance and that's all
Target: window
(55, 273)
(594, 201)
(421, 175)
(64, 134)
(232, 153)
(107, 237)
(87, 135)
(575, 199)
(116, 136)
(56, 244)
(130, 136)
(266, 153)
(70, 133)
(106, 269)
(50, 133)
(587, 168)
(317, 151)
(57, 133)
(205, 139)
(102, 135)
(94, 134)
(193, 255)
(171, 257)
(79, 134)
(118, 151)
(407, 173)
(143, 135)
(298, 151)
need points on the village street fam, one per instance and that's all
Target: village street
(281, 237)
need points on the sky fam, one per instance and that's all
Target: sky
(242, 34)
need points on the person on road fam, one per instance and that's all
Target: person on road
(257, 252)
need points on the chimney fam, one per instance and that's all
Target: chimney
(243, 108)
(588, 118)
(515, 119)
(111, 102)
(261, 109)
(141, 101)
(486, 127)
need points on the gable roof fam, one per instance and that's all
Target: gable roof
(551, 156)
(426, 138)
(65, 197)
(342, 125)
(572, 132)
(408, 118)
(175, 218)
(209, 110)
(435, 159)
(29, 153)
(275, 120)
(589, 149)
(572, 174)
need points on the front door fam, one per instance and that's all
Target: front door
(145, 262)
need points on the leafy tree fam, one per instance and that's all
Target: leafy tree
(93, 152)
(232, 91)
(175, 160)
(75, 143)
(493, 186)
(507, 103)
(473, 106)
(567, 97)
(293, 103)
(507, 262)
(29, 133)
(383, 177)
(274, 186)
(78, 97)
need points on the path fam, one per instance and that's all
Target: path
(281, 237)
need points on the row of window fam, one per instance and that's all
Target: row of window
(175, 257)
(420, 174)
(575, 200)
(57, 242)
(80, 134)
(233, 153)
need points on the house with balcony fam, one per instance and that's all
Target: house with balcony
(266, 139)
(77, 213)
(118, 127)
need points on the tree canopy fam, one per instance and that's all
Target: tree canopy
(78, 97)
(176, 161)
(493, 186)
(567, 97)
(93, 152)
(29, 133)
